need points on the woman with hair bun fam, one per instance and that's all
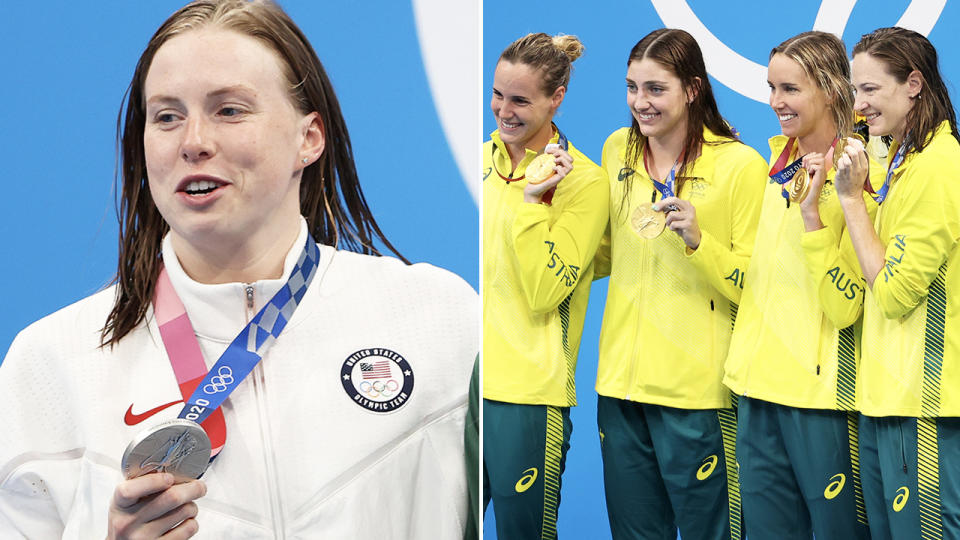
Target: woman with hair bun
(910, 256)
(684, 201)
(794, 352)
(545, 208)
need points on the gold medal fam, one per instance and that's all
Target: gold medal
(798, 186)
(647, 222)
(540, 168)
(838, 150)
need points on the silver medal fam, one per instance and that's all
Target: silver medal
(179, 447)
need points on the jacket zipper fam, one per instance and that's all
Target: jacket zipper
(269, 459)
(632, 383)
(250, 312)
(498, 236)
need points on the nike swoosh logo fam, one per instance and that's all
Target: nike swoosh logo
(131, 419)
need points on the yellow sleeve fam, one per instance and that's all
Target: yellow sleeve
(601, 261)
(551, 258)
(836, 271)
(725, 266)
(923, 233)
(832, 263)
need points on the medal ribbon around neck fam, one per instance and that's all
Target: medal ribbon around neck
(781, 173)
(879, 196)
(548, 196)
(666, 187)
(203, 391)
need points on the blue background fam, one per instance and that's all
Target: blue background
(595, 106)
(66, 66)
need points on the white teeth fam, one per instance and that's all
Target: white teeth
(201, 185)
(647, 116)
(508, 125)
(872, 116)
(785, 117)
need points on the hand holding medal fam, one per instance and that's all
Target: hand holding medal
(154, 505)
(814, 172)
(545, 172)
(681, 218)
(852, 169)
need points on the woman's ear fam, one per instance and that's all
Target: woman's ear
(915, 83)
(314, 139)
(557, 98)
(694, 90)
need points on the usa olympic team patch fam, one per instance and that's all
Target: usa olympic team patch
(379, 380)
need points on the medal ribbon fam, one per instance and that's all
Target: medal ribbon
(666, 187)
(879, 196)
(548, 196)
(208, 390)
(781, 173)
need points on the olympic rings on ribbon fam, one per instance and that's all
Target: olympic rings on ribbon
(220, 381)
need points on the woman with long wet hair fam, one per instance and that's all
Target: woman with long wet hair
(910, 257)
(684, 202)
(250, 336)
(794, 352)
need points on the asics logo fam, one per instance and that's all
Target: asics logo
(901, 499)
(220, 381)
(835, 486)
(527, 480)
(705, 470)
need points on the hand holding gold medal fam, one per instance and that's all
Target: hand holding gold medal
(545, 172)
(853, 168)
(809, 180)
(541, 168)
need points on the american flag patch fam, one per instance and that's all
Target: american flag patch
(375, 370)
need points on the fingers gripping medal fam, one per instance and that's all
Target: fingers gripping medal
(179, 447)
(540, 168)
(647, 222)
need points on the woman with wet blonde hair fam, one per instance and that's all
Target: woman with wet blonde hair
(684, 201)
(539, 237)
(910, 256)
(231, 346)
(795, 348)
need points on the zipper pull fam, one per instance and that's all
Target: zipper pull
(249, 296)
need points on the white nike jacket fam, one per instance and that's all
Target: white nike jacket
(308, 453)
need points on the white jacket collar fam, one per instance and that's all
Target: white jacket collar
(219, 311)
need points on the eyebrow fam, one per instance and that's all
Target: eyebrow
(233, 89)
(783, 83)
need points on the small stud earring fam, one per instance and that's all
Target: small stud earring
(304, 161)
